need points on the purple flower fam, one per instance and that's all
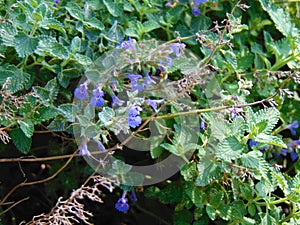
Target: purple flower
(56, 1)
(122, 204)
(177, 48)
(116, 101)
(126, 45)
(153, 103)
(195, 6)
(202, 124)
(252, 143)
(134, 111)
(134, 120)
(292, 127)
(133, 196)
(83, 150)
(134, 82)
(148, 81)
(283, 152)
(97, 100)
(114, 86)
(294, 145)
(294, 155)
(81, 92)
(195, 10)
(100, 146)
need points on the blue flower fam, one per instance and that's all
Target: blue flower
(133, 196)
(134, 120)
(134, 82)
(252, 143)
(153, 103)
(56, 1)
(100, 146)
(202, 124)
(122, 204)
(195, 6)
(126, 45)
(81, 92)
(292, 127)
(83, 150)
(283, 152)
(97, 100)
(195, 10)
(148, 81)
(177, 49)
(116, 101)
(134, 111)
(294, 145)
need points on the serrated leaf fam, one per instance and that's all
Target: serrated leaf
(68, 111)
(27, 127)
(82, 59)
(51, 47)
(281, 19)
(119, 168)
(251, 159)
(43, 114)
(25, 45)
(229, 149)
(207, 172)
(94, 23)
(75, 11)
(195, 194)
(21, 141)
(115, 9)
(106, 115)
(58, 124)
(51, 23)
(270, 140)
(189, 171)
(150, 25)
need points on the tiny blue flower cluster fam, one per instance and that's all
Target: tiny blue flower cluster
(195, 6)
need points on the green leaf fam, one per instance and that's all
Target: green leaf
(94, 23)
(281, 18)
(207, 172)
(115, 9)
(195, 194)
(68, 111)
(76, 44)
(82, 59)
(267, 219)
(17, 78)
(75, 11)
(189, 171)
(21, 141)
(27, 127)
(251, 159)
(119, 168)
(270, 140)
(150, 25)
(106, 115)
(43, 114)
(48, 93)
(58, 124)
(25, 45)
(229, 149)
(51, 23)
(49, 46)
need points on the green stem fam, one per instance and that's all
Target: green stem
(282, 200)
(283, 62)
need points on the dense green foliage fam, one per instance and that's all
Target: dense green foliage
(239, 73)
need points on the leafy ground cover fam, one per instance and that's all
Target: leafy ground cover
(149, 112)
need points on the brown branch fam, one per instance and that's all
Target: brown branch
(37, 182)
(18, 202)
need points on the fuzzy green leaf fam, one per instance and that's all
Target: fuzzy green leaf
(229, 149)
(207, 172)
(51, 47)
(51, 23)
(27, 127)
(115, 9)
(21, 141)
(25, 45)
